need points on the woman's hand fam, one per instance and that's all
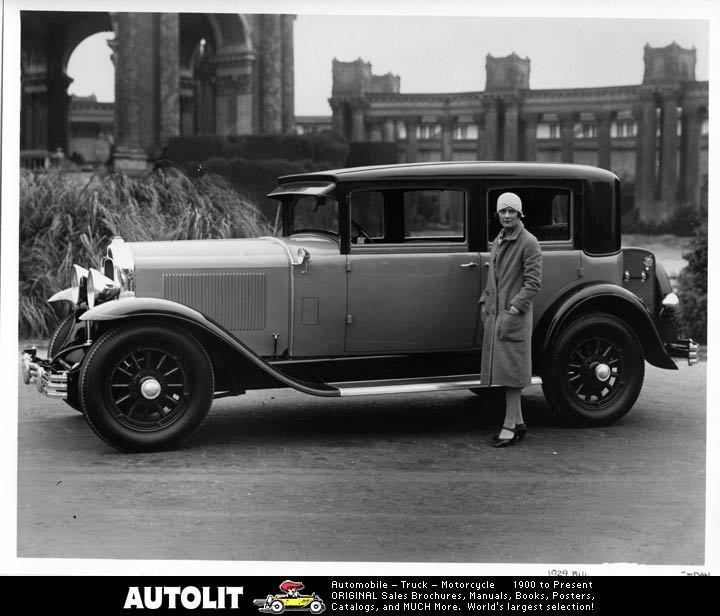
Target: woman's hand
(514, 310)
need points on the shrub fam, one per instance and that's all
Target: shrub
(325, 146)
(692, 287)
(63, 221)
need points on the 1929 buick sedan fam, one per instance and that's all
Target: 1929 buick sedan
(371, 288)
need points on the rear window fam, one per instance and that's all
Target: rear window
(546, 212)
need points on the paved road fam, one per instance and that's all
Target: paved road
(277, 475)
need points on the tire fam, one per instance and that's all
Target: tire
(122, 363)
(316, 607)
(277, 607)
(57, 341)
(595, 371)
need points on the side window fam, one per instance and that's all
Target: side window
(407, 216)
(434, 214)
(546, 212)
(367, 216)
(315, 213)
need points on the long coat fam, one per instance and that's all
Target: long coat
(514, 278)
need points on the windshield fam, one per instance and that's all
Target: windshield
(314, 213)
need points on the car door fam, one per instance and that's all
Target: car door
(413, 284)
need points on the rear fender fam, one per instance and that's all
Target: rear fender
(612, 299)
(151, 307)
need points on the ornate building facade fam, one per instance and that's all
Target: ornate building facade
(175, 74)
(653, 134)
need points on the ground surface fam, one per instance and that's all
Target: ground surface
(277, 476)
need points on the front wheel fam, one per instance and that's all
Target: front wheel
(146, 387)
(596, 370)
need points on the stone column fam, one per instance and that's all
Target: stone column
(271, 93)
(479, 119)
(35, 112)
(491, 130)
(168, 76)
(511, 138)
(669, 152)
(288, 73)
(233, 93)
(530, 137)
(233, 104)
(358, 121)
(389, 130)
(604, 120)
(338, 117)
(134, 32)
(187, 104)
(411, 125)
(446, 137)
(690, 154)
(375, 129)
(645, 157)
(567, 136)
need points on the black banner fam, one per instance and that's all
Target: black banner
(382, 595)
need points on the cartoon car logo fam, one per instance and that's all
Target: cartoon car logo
(290, 599)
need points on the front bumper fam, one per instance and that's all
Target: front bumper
(684, 347)
(48, 380)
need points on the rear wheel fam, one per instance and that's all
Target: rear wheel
(596, 370)
(146, 387)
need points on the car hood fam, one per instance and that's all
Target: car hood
(224, 253)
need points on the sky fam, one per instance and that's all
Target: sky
(447, 53)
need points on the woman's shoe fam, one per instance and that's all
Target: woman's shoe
(505, 442)
(520, 432)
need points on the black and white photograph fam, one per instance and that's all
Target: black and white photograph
(379, 288)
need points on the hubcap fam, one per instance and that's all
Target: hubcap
(595, 372)
(602, 372)
(150, 389)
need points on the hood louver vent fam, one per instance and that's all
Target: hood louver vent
(235, 300)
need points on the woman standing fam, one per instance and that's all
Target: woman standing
(513, 280)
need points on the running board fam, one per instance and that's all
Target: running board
(416, 385)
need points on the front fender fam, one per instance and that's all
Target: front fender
(135, 307)
(615, 300)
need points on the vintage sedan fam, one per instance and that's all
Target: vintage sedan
(371, 287)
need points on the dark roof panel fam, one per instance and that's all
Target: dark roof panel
(462, 169)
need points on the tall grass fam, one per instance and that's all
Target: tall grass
(63, 221)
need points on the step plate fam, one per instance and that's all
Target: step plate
(417, 385)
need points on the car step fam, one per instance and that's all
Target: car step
(415, 385)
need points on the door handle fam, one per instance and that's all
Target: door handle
(468, 265)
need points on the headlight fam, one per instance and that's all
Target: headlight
(671, 301)
(120, 265)
(100, 288)
(78, 282)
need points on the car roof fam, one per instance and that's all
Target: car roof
(457, 169)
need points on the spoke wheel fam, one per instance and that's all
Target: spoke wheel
(146, 387)
(596, 370)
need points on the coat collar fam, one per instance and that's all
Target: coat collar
(514, 235)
